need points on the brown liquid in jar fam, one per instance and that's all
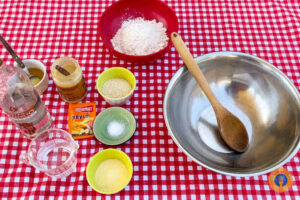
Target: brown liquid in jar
(73, 94)
(72, 88)
(38, 75)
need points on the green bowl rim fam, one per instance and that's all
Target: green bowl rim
(130, 115)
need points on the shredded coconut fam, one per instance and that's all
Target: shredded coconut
(140, 37)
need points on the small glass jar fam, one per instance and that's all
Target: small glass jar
(71, 88)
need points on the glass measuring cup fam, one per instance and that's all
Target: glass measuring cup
(52, 152)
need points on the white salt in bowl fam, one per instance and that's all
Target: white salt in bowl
(114, 126)
(116, 72)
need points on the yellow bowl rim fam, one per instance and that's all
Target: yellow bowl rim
(101, 152)
(107, 71)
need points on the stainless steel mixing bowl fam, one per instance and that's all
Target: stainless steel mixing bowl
(258, 93)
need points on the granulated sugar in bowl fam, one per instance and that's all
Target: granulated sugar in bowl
(140, 37)
(116, 85)
(116, 88)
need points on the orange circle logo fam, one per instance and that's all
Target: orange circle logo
(280, 180)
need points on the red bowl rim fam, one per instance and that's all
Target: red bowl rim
(139, 56)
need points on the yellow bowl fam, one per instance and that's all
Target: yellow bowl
(101, 156)
(116, 72)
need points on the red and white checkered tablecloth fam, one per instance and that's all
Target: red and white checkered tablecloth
(45, 30)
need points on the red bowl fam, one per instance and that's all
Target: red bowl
(113, 17)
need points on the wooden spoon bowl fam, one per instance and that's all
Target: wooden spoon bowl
(231, 128)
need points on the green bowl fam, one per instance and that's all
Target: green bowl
(114, 114)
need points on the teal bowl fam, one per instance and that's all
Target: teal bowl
(117, 114)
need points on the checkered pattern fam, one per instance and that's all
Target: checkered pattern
(45, 30)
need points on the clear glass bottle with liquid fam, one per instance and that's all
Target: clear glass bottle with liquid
(22, 103)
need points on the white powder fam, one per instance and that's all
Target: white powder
(140, 37)
(116, 88)
(115, 128)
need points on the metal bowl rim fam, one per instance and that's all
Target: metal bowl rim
(202, 57)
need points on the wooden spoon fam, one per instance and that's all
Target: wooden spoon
(231, 128)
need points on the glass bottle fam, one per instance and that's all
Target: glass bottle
(22, 103)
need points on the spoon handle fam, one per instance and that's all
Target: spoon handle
(194, 69)
(12, 53)
(62, 70)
